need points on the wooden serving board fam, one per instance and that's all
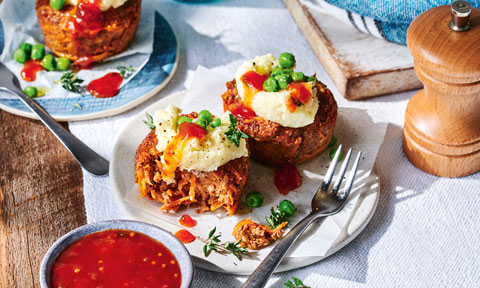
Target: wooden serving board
(360, 65)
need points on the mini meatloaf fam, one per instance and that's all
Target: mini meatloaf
(256, 236)
(273, 144)
(206, 190)
(83, 32)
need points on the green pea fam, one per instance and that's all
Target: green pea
(254, 199)
(27, 48)
(270, 85)
(311, 78)
(20, 56)
(38, 51)
(276, 71)
(63, 64)
(288, 71)
(298, 76)
(333, 141)
(332, 154)
(286, 60)
(206, 115)
(216, 122)
(183, 119)
(48, 62)
(57, 4)
(30, 91)
(201, 122)
(287, 208)
(283, 80)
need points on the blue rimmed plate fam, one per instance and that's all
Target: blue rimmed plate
(156, 73)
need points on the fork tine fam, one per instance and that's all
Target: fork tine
(329, 175)
(351, 177)
(339, 179)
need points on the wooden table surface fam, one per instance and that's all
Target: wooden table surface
(41, 197)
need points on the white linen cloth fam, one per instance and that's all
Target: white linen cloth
(425, 232)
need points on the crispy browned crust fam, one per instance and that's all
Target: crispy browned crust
(273, 144)
(120, 26)
(205, 190)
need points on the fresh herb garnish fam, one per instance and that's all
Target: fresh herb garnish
(297, 283)
(149, 121)
(71, 82)
(233, 134)
(78, 106)
(126, 72)
(213, 244)
(276, 218)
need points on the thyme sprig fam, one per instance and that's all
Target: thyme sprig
(276, 218)
(125, 71)
(71, 82)
(233, 134)
(149, 121)
(213, 243)
(296, 283)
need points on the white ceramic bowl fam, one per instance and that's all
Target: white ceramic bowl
(159, 234)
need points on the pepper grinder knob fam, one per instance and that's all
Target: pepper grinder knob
(461, 11)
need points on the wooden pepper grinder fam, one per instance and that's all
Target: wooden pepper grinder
(442, 121)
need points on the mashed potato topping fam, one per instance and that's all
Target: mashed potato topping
(104, 4)
(273, 106)
(206, 154)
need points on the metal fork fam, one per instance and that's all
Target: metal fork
(324, 203)
(88, 159)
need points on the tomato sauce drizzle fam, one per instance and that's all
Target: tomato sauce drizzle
(243, 111)
(172, 155)
(287, 178)
(116, 258)
(187, 221)
(184, 236)
(83, 63)
(253, 83)
(106, 86)
(87, 20)
(30, 69)
(299, 95)
(254, 80)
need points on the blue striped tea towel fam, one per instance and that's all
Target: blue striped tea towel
(387, 19)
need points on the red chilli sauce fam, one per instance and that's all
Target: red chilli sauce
(87, 20)
(299, 95)
(30, 69)
(187, 221)
(106, 86)
(184, 236)
(116, 258)
(287, 178)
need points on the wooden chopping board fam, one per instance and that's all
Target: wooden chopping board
(360, 65)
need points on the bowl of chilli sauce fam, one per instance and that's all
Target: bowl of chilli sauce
(117, 253)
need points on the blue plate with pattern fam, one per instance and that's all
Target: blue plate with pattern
(147, 82)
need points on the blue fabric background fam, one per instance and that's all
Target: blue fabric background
(395, 15)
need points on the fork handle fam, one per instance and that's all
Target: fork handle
(88, 159)
(260, 276)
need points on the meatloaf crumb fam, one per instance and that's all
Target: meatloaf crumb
(205, 190)
(256, 236)
(273, 144)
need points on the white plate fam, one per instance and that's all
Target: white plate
(127, 197)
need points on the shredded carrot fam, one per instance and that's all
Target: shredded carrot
(174, 203)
